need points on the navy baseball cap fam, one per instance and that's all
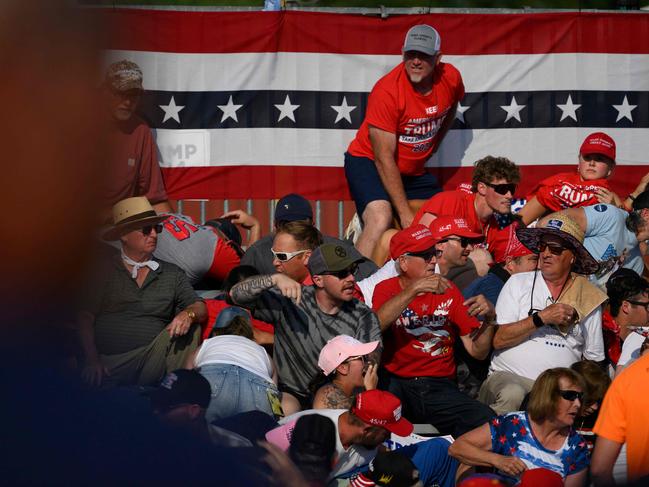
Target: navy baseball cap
(293, 207)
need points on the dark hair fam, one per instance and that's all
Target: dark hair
(305, 234)
(489, 168)
(238, 326)
(634, 222)
(595, 379)
(622, 285)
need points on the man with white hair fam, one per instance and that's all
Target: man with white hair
(409, 111)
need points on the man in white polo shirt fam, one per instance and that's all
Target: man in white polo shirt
(537, 328)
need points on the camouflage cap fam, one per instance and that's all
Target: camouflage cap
(332, 257)
(124, 75)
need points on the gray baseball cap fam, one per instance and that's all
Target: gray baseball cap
(422, 38)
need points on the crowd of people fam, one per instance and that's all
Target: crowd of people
(515, 343)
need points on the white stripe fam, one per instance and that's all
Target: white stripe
(347, 72)
(312, 147)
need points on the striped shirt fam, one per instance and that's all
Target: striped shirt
(302, 330)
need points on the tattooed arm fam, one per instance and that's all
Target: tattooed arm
(248, 290)
(330, 397)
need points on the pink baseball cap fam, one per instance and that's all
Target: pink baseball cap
(339, 349)
(416, 238)
(445, 226)
(599, 143)
(381, 408)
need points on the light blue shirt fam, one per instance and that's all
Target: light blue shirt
(608, 239)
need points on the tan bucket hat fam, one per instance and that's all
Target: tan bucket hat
(131, 214)
(561, 225)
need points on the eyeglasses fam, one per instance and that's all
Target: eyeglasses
(464, 241)
(286, 256)
(427, 256)
(503, 188)
(344, 273)
(555, 249)
(570, 395)
(147, 230)
(645, 304)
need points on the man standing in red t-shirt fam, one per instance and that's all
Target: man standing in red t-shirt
(421, 314)
(132, 165)
(409, 111)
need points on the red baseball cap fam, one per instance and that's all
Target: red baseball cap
(381, 408)
(416, 238)
(445, 226)
(599, 143)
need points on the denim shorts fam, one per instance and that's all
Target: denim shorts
(365, 183)
(236, 390)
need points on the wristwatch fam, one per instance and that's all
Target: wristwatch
(191, 314)
(538, 322)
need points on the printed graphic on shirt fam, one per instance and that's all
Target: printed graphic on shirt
(420, 132)
(570, 195)
(430, 331)
(511, 435)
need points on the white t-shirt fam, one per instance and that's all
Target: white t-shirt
(546, 348)
(235, 350)
(631, 347)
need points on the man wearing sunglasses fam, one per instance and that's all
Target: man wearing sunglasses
(547, 318)
(628, 301)
(307, 317)
(422, 315)
(455, 242)
(133, 169)
(486, 209)
(142, 318)
(292, 246)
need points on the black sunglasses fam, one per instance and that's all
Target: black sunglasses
(503, 188)
(571, 395)
(464, 241)
(555, 249)
(147, 230)
(427, 256)
(645, 304)
(344, 273)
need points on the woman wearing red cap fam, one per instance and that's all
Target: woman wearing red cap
(588, 186)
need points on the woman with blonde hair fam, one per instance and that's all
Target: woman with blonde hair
(541, 437)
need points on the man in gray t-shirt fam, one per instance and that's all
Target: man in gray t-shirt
(306, 317)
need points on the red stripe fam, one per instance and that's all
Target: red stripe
(267, 182)
(291, 31)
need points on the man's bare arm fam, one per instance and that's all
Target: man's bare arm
(512, 334)
(384, 145)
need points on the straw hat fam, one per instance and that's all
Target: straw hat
(131, 214)
(561, 225)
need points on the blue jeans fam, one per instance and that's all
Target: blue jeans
(437, 401)
(236, 390)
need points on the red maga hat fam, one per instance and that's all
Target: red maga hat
(445, 226)
(599, 143)
(381, 408)
(416, 238)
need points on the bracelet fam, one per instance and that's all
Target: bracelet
(191, 313)
(631, 197)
